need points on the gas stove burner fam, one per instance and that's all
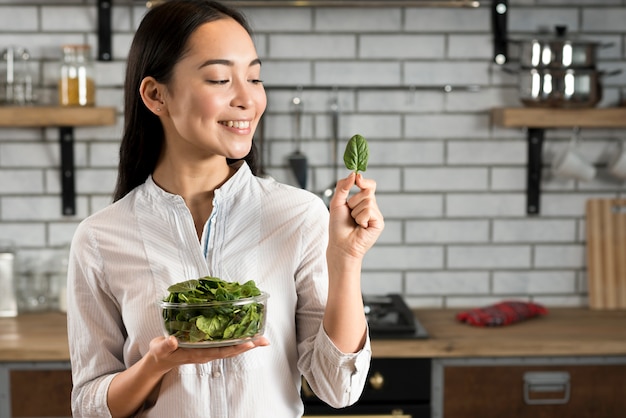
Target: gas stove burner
(388, 316)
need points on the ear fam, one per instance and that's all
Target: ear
(151, 92)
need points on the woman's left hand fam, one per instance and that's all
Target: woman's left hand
(355, 221)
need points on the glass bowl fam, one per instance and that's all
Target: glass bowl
(216, 323)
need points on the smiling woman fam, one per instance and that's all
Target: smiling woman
(210, 107)
(151, 71)
(189, 204)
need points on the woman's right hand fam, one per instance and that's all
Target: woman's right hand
(129, 389)
(167, 355)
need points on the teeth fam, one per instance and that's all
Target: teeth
(239, 124)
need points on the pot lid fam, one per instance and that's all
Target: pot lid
(561, 36)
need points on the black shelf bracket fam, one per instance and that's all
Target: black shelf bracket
(499, 11)
(104, 31)
(535, 138)
(68, 192)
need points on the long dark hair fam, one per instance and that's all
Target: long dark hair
(157, 46)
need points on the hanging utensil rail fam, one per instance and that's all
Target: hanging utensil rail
(446, 88)
(342, 3)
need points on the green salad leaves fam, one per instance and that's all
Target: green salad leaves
(210, 320)
(357, 154)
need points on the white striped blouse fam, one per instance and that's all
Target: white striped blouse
(124, 258)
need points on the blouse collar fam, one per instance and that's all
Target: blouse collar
(229, 188)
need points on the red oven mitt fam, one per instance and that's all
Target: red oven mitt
(503, 313)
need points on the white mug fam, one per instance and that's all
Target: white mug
(617, 164)
(570, 164)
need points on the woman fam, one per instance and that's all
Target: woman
(188, 204)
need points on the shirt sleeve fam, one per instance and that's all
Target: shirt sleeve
(337, 378)
(95, 355)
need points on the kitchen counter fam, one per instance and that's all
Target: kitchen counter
(34, 337)
(563, 332)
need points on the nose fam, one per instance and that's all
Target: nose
(244, 94)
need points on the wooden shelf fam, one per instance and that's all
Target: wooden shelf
(65, 118)
(537, 120)
(42, 116)
(536, 117)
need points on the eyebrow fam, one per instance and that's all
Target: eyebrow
(229, 63)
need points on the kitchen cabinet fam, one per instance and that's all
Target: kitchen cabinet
(38, 389)
(65, 118)
(475, 367)
(583, 389)
(394, 387)
(536, 120)
(35, 372)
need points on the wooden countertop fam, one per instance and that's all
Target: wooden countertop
(34, 337)
(563, 332)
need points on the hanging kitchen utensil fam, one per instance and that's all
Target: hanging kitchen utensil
(297, 160)
(606, 253)
(328, 193)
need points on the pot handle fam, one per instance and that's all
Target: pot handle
(610, 73)
(560, 30)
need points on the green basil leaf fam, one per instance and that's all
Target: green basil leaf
(357, 154)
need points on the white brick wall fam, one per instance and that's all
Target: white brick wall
(452, 187)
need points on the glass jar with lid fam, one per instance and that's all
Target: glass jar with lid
(16, 84)
(76, 82)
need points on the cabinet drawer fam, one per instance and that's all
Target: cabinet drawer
(572, 391)
(41, 393)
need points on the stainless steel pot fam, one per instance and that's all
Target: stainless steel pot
(558, 51)
(571, 88)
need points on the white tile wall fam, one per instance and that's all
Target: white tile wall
(447, 231)
(451, 186)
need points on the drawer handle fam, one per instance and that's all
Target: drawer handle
(543, 382)
(377, 381)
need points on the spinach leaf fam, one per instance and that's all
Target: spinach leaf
(213, 326)
(357, 154)
(182, 287)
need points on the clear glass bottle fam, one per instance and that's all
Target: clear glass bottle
(76, 81)
(16, 87)
(8, 298)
